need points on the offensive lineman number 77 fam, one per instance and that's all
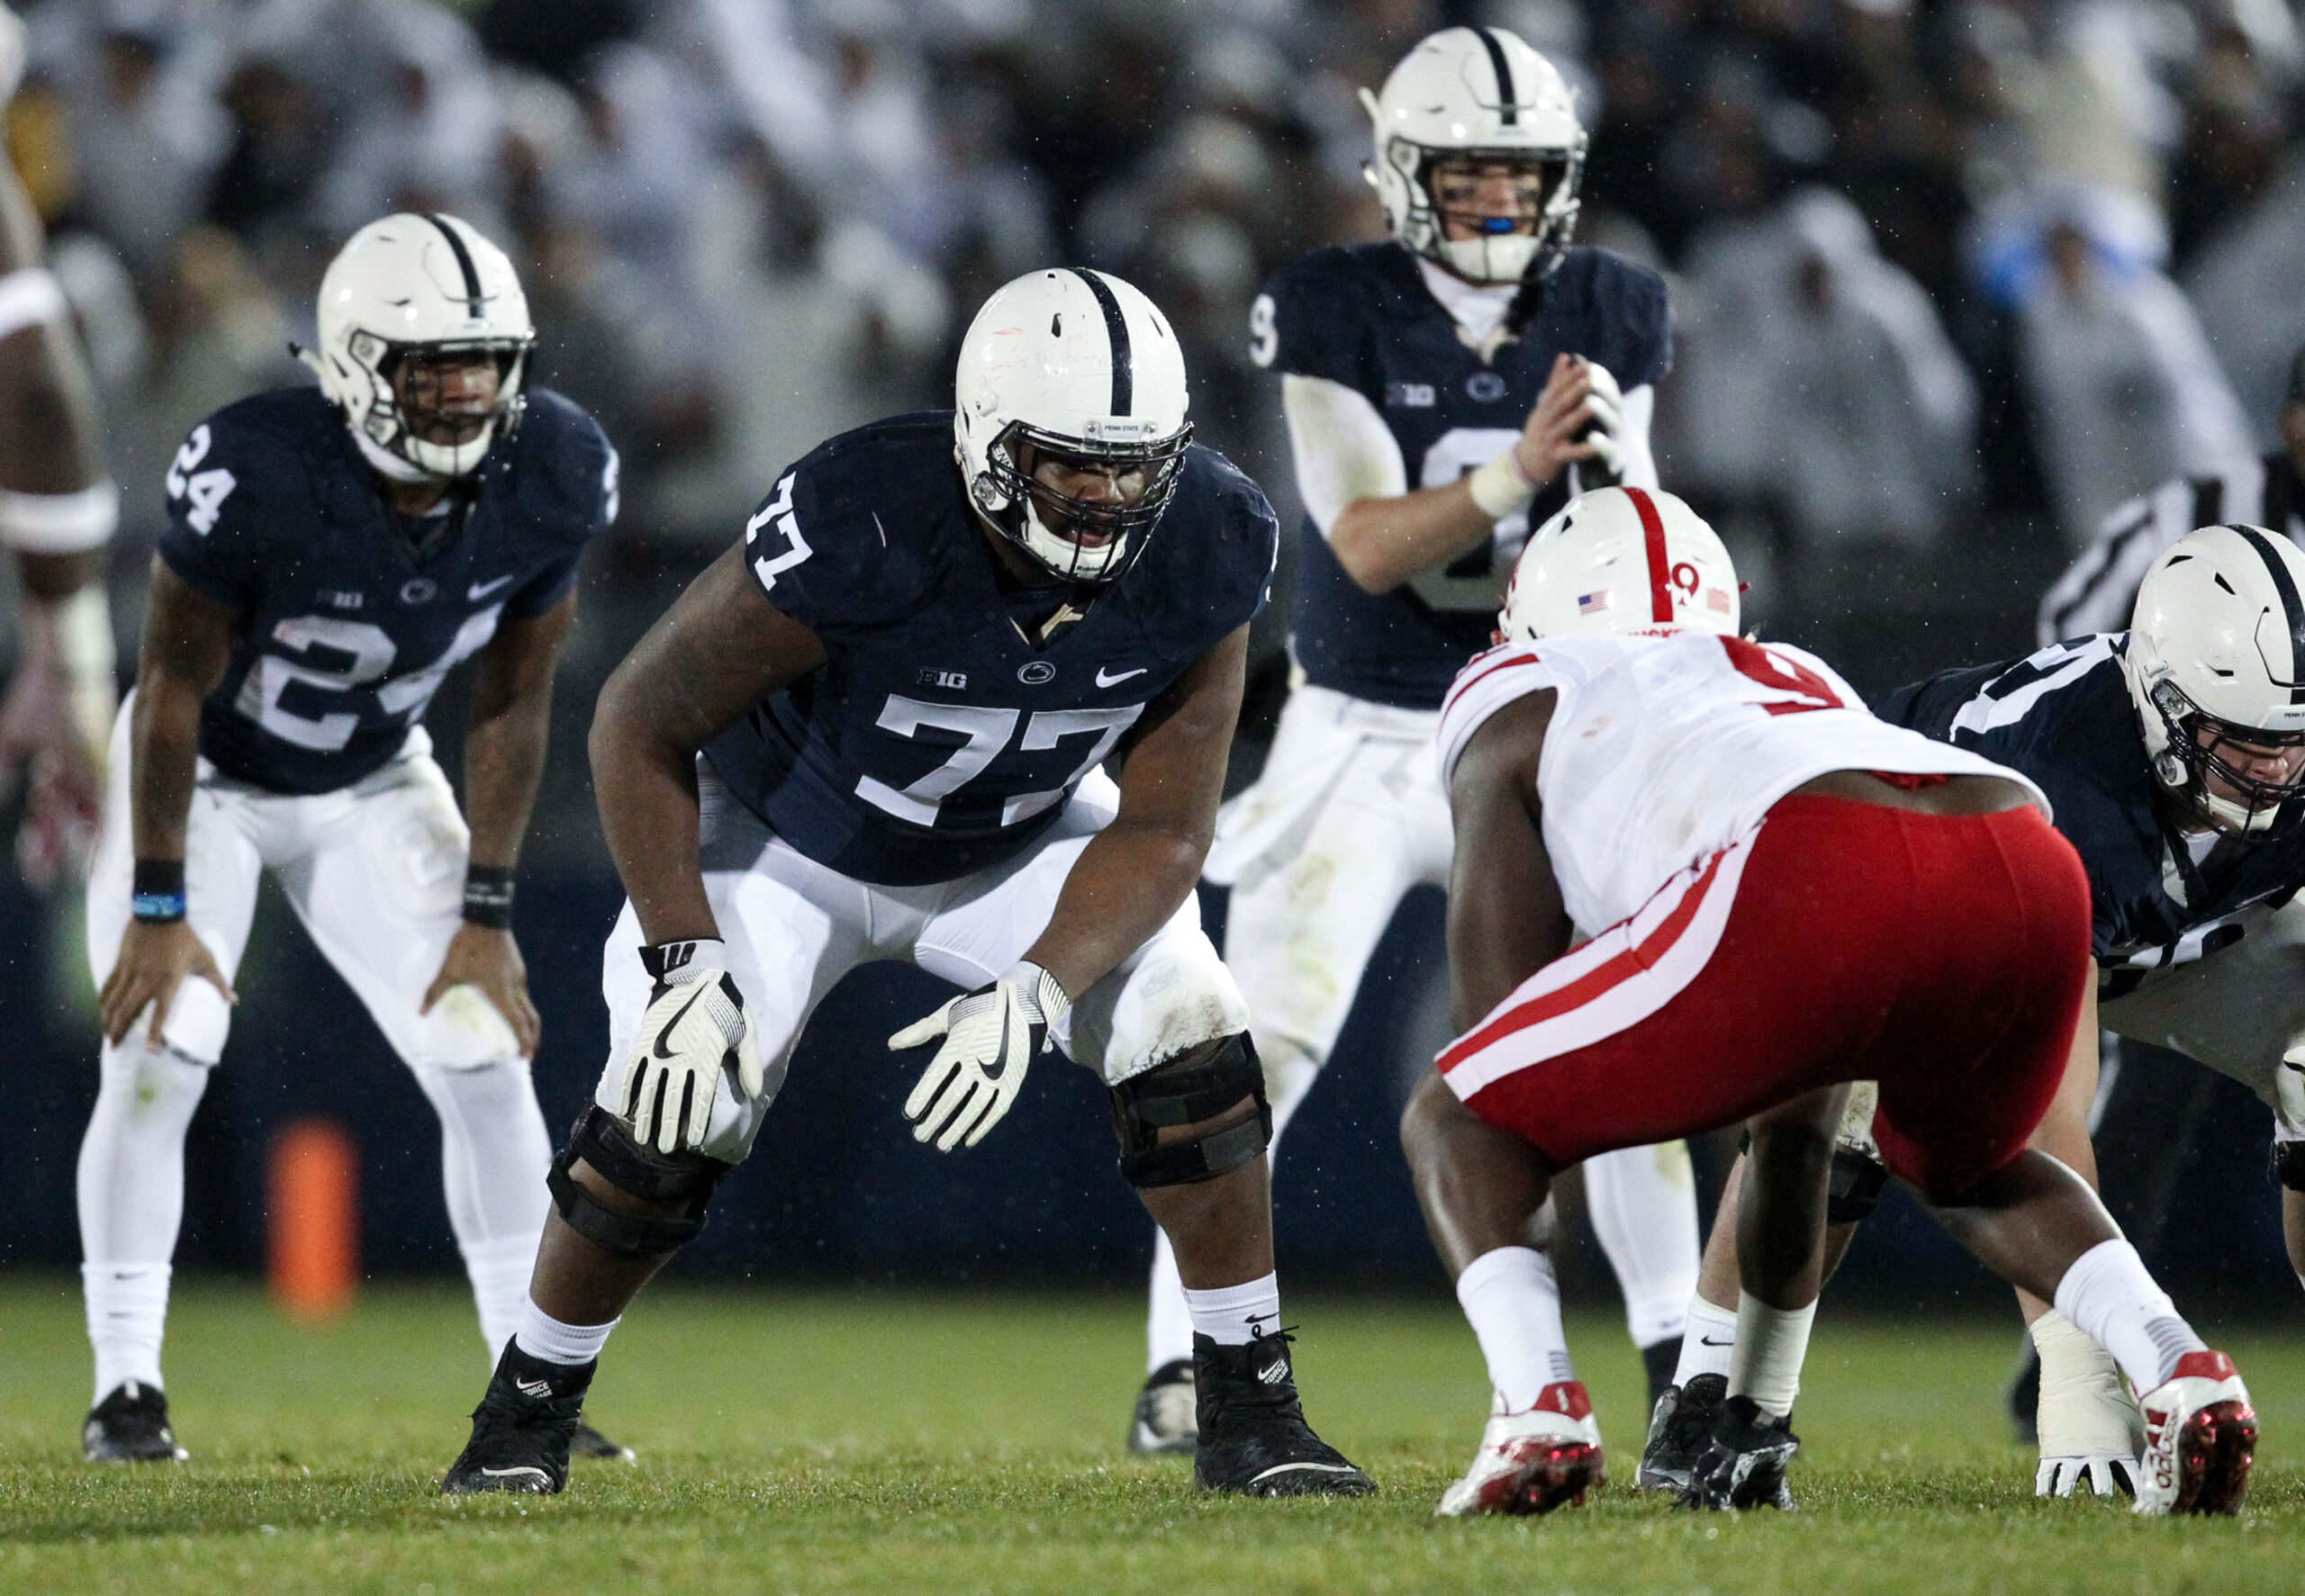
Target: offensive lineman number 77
(986, 729)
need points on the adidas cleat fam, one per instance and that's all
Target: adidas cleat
(1253, 1435)
(1743, 1466)
(523, 1428)
(1679, 1429)
(130, 1425)
(588, 1442)
(1166, 1418)
(1532, 1462)
(2201, 1437)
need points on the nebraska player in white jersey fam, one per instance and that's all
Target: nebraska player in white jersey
(1696, 883)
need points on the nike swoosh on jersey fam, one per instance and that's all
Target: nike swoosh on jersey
(701, 987)
(481, 589)
(1104, 681)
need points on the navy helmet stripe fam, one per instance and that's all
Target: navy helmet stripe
(1506, 98)
(464, 262)
(2292, 610)
(1116, 328)
(2209, 501)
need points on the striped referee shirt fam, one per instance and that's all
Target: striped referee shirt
(2098, 590)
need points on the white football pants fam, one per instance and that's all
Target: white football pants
(375, 871)
(793, 927)
(2240, 1010)
(1347, 817)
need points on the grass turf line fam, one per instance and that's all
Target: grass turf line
(876, 1441)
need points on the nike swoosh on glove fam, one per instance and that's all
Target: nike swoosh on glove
(695, 1027)
(992, 1036)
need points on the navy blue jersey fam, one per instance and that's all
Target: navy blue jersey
(2063, 717)
(934, 740)
(344, 631)
(1361, 315)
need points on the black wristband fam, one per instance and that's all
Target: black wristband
(157, 894)
(488, 896)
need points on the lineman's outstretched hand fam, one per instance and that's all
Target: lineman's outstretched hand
(992, 1036)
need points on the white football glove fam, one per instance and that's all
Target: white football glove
(694, 1029)
(2107, 1477)
(1606, 432)
(2089, 1428)
(992, 1035)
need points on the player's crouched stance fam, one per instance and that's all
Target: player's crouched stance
(1784, 894)
(331, 554)
(903, 684)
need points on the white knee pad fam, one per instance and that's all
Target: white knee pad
(465, 1030)
(1174, 996)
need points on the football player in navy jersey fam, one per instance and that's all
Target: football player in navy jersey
(1440, 387)
(875, 730)
(2174, 754)
(332, 554)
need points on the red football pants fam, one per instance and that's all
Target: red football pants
(1943, 956)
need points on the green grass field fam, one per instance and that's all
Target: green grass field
(878, 1441)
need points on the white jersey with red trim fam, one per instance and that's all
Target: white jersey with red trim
(1667, 747)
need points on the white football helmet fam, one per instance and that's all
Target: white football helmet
(2217, 648)
(428, 284)
(1621, 560)
(1079, 365)
(1477, 93)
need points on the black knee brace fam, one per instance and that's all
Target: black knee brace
(1180, 1095)
(600, 1140)
(2289, 1164)
(1858, 1180)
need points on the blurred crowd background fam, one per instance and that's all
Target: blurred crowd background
(1950, 277)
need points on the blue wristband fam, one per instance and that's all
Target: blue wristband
(157, 894)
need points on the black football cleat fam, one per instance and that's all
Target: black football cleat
(1680, 1428)
(523, 1428)
(588, 1442)
(1253, 1439)
(1166, 1418)
(1660, 1360)
(1744, 1465)
(130, 1425)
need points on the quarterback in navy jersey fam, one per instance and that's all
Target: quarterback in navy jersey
(2174, 754)
(1441, 388)
(876, 729)
(332, 554)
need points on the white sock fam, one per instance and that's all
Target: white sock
(1289, 1073)
(2083, 1412)
(2108, 1296)
(1168, 1323)
(1236, 1315)
(1644, 1204)
(1708, 1341)
(1771, 1344)
(542, 1335)
(128, 1310)
(1514, 1304)
(500, 1272)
